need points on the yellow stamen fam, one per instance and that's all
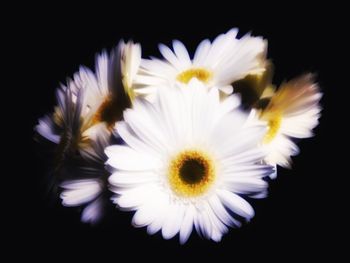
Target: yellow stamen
(199, 73)
(274, 121)
(191, 173)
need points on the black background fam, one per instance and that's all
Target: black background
(300, 216)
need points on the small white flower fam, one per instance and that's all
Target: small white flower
(87, 110)
(292, 112)
(188, 160)
(92, 102)
(215, 64)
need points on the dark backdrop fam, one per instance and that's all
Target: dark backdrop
(300, 215)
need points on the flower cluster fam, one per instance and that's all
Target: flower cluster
(183, 141)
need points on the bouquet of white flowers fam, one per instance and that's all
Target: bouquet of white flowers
(181, 140)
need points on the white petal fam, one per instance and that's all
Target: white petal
(93, 212)
(247, 139)
(170, 56)
(79, 192)
(143, 216)
(280, 151)
(130, 199)
(201, 52)
(181, 52)
(221, 212)
(102, 71)
(45, 129)
(248, 157)
(243, 185)
(143, 119)
(256, 171)
(236, 204)
(204, 227)
(132, 140)
(160, 215)
(125, 158)
(132, 179)
(218, 228)
(229, 104)
(300, 126)
(187, 224)
(158, 68)
(173, 221)
(171, 104)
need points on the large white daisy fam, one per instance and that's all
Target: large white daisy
(188, 161)
(217, 64)
(293, 111)
(92, 102)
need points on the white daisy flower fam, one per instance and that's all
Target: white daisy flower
(217, 64)
(293, 111)
(188, 160)
(92, 102)
(82, 123)
(88, 184)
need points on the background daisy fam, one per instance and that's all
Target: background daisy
(215, 64)
(92, 102)
(81, 126)
(293, 111)
(85, 185)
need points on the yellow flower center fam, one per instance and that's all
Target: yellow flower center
(109, 112)
(199, 73)
(191, 173)
(274, 121)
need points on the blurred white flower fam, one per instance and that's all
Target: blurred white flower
(215, 64)
(91, 103)
(293, 111)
